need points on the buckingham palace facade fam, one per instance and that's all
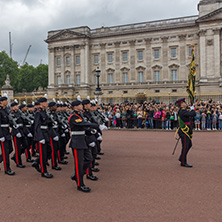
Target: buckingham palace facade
(138, 62)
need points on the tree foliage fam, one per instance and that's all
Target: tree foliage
(27, 77)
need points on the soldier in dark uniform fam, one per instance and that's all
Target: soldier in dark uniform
(185, 130)
(54, 135)
(42, 137)
(82, 155)
(91, 140)
(5, 136)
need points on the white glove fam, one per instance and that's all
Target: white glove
(192, 108)
(15, 126)
(107, 120)
(29, 135)
(55, 123)
(102, 127)
(18, 135)
(32, 121)
(92, 144)
(2, 139)
(63, 135)
(56, 138)
(42, 141)
(67, 130)
(99, 138)
(93, 131)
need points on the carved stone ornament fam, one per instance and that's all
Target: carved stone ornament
(117, 44)
(148, 40)
(132, 42)
(102, 45)
(210, 42)
(182, 37)
(202, 32)
(216, 31)
(164, 38)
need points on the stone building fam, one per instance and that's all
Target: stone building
(142, 61)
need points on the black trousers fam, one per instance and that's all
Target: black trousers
(186, 145)
(82, 160)
(93, 151)
(18, 150)
(62, 146)
(44, 151)
(6, 147)
(54, 149)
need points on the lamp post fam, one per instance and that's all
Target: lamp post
(98, 92)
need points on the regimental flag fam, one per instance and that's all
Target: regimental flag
(192, 77)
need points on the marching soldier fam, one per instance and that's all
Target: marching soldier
(82, 155)
(54, 135)
(42, 137)
(185, 130)
(5, 136)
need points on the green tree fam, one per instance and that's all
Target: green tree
(41, 77)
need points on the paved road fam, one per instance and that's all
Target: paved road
(139, 181)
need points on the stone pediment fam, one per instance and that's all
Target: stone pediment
(212, 16)
(66, 34)
(110, 70)
(140, 67)
(124, 68)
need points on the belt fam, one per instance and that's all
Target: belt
(78, 133)
(28, 125)
(44, 127)
(187, 123)
(20, 125)
(55, 126)
(4, 125)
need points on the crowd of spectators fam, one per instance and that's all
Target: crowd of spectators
(154, 115)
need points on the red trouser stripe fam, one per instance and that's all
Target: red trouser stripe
(16, 150)
(53, 157)
(3, 153)
(59, 157)
(26, 153)
(31, 149)
(36, 146)
(41, 157)
(77, 168)
(87, 171)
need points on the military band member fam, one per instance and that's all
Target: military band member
(185, 130)
(82, 155)
(42, 137)
(5, 136)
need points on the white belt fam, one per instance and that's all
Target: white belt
(28, 125)
(55, 126)
(44, 127)
(20, 125)
(78, 133)
(4, 125)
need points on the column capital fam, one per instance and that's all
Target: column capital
(216, 31)
(51, 49)
(202, 32)
(102, 45)
(117, 44)
(148, 40)
(165, 38)
(132, 42)
(182, 37)
(82, 46)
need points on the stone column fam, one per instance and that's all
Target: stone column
(217, 56)
(87, 62)
(166, 76)
(117, 62)
(82, 62)
(203, 66)
(132, 61)
(148, 60)
(103, 62)
(72, 60)
(51, 67)
(62, 66)
(182, 46)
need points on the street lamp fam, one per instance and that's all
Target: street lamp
(98, 89)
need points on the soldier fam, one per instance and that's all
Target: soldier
(17, 135)
(90, 138)
(42, 137)
(185, 130)
(81, 153)
(5, 136)
(54, 135)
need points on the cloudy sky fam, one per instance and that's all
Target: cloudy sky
(30, 20)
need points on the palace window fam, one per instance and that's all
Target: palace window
(125, 57)
(140, 76)
(58, 61)
(140, 55)
(173, 52)
(110, 78)
(157, 76)
(58, 80)
(156, 53)
(110, 58)
(68, 79)
(190, 48)
(174, 75)
(68, 61)
(77, 60)
(125, 77)
(78, 79)
(96, 59)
